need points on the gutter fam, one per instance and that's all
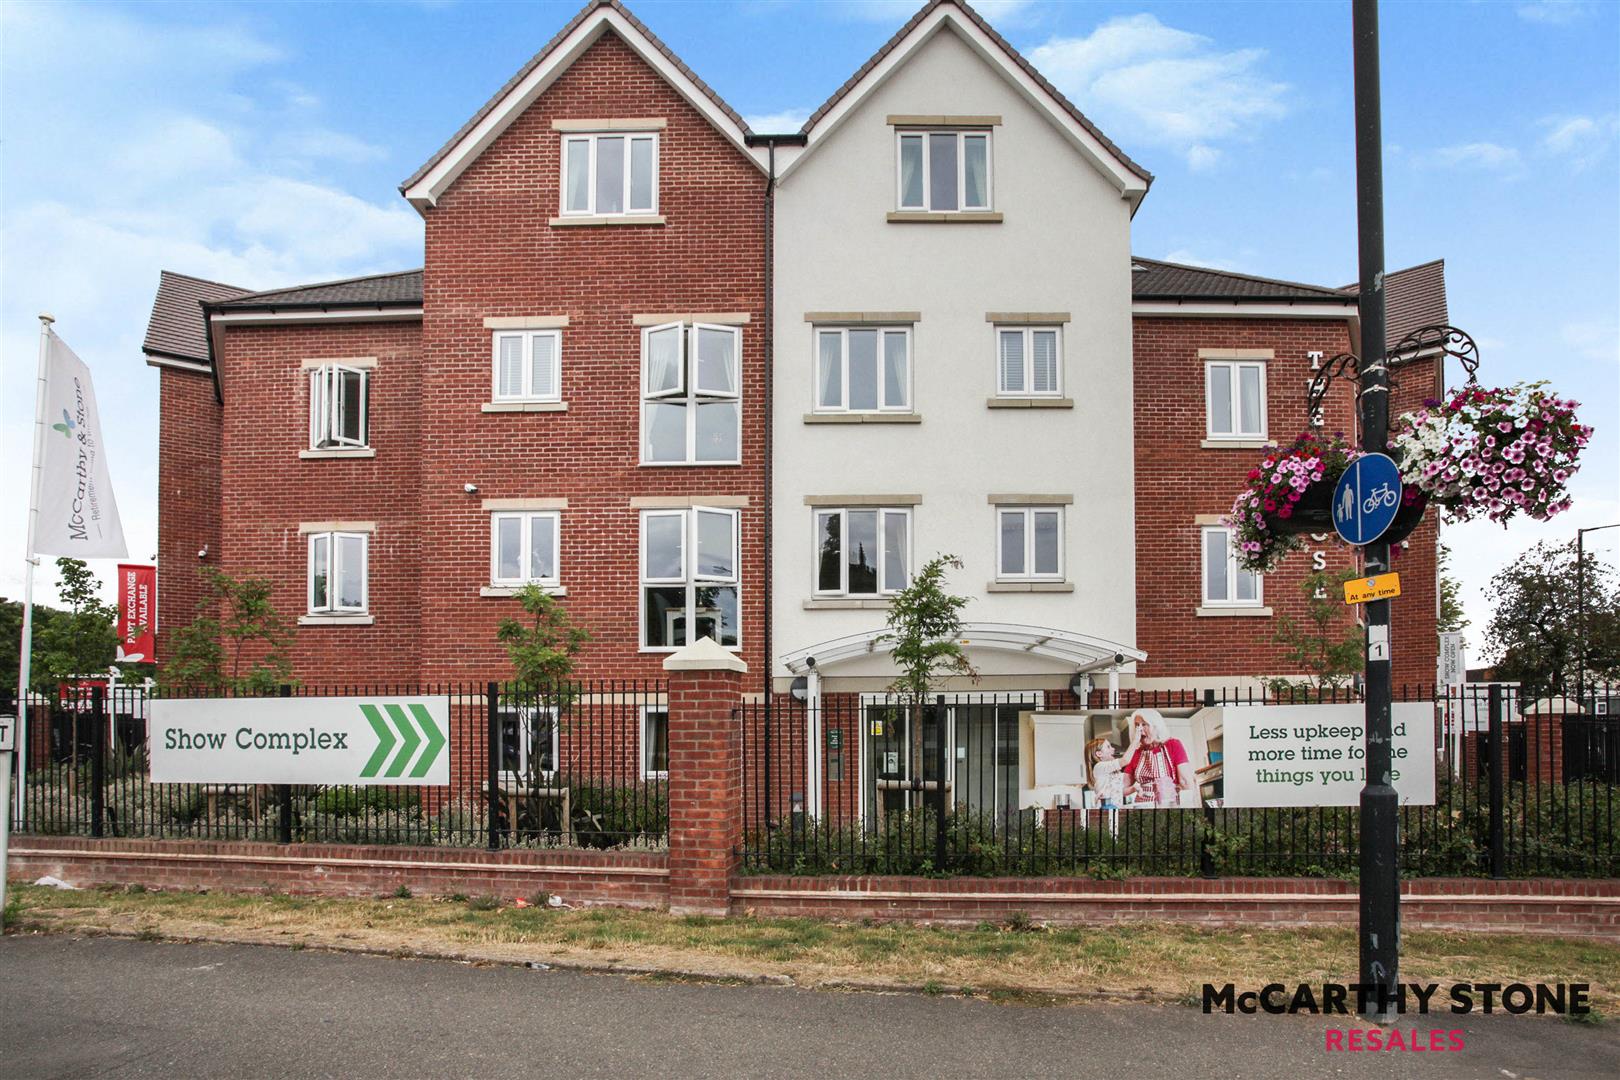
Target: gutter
(216, 312)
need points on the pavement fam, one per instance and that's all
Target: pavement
(96, 1007)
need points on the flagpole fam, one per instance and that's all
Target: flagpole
(26, 655)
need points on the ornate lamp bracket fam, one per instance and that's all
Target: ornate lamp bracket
(1418, 345)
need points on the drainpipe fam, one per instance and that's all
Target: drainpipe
(1113, 686)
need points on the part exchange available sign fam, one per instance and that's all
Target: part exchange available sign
(1312, 755)
(309, 740)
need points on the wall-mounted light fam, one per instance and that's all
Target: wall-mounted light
(799, 689)
(471, 489)
(203, 554)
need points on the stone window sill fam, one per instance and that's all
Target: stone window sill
(513, 590)
(523, 406)
(1030, 403)
(334, 454)
(610, 219)
(848, 603)
(336, 620)
(863, 418)
(1030, 587)
(1235, 444)
(961, 217)
(1233, 613)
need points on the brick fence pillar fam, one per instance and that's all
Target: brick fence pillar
(705, 776)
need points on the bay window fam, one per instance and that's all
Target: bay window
(863, 370)
(610, 174)
(943, 171)
(690, 577)
(861, 551)
(691, 412)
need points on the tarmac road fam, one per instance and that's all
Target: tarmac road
(93, 1007)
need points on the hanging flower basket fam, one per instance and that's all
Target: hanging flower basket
(1492, 453)
(1289, 493)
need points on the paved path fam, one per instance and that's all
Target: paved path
(92, 1007)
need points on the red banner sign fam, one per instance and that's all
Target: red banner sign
(137, 613)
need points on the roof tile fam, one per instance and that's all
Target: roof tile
(177, 328)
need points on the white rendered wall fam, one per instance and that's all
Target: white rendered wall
(1064, 246)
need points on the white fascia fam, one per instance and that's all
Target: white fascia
(1207, 309)
(426, 191)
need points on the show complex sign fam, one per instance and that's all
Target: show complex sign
(1311, 755)
(322, 740)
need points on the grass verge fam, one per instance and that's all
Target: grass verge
(1016, 962)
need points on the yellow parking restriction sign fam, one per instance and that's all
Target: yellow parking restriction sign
(1378, 587)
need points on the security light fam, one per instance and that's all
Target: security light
(471, 489)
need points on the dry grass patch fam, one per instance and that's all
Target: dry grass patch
(1167, 962)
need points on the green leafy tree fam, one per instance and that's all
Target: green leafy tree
(1326, 644)
(541, 645)
(81, 640)
(1536, 628)
(238, 642)
(1451, 610)
(11, 613)
(925, 631)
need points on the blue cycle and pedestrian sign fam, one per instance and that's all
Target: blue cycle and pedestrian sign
(1367, 498)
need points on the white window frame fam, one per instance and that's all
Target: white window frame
(644, 745)
(885, 587)
(528, 519)
(687, 392)
(1236, 399)
(843, 332)
(961, 171)
(1231, 573)
(527, 393)
(689, 578)
(526, 714)
(326, 405)
(334, 573)
(592, 139)
(1028, 513)
(1029, 333)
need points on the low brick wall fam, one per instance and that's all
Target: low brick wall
(1568, 908)
(626, 879)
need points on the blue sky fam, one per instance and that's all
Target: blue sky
(262, 144)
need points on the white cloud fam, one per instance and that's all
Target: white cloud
(326, 144)
(1481, 155)
(778, 123)
(1554, 12)
(1188, 257)
(1143, 80)
(1582, 140)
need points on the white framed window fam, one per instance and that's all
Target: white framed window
(337, 573)
(610, 173)
(1225, 584)
(691, 408)
(1029, 543)
(690, 577)
(337, 407)
(1029, 361)
(524, 547)
(862, 551)
(654, 743)
(943, 172)
(1235, 396)
(527, 365)
(863, 369)
(528, 742)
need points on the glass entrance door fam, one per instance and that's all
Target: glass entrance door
(901, 763)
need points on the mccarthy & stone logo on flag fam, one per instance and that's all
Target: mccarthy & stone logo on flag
(78, 515)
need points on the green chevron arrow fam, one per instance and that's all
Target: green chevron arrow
(409, 734)
(435, 741)
(385, 740)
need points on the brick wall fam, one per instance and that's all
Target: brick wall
(188, 496)
(705, 789)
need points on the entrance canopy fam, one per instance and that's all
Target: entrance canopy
(1084, 652)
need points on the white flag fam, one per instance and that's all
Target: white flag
(78, 515)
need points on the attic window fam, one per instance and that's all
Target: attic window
(943, 172)
(609, 174)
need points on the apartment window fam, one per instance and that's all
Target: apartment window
(1225, 584)
(337, 573)
(863, 370)
(523, 548)
(1236, 397)
(654, 744)
(528, 742)
(690, 578)
(527, 365)
(862, 552)
(944, 171)
(1029, 361)
(1029, 543)
(337, 407)
(610, 174)
(690, 410)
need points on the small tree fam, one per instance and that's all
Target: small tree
(1451, 610)
(241, 649)
(542, 645)
(1326, 644)
(925, 636)
(1536, 626)
(82, 640)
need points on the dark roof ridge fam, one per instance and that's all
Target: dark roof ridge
(322, 284)
(1006, 46)
(1326, 291)
(202, 280)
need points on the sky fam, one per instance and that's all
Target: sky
(263, 144)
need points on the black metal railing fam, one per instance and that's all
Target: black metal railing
(872, 784)
(558, 766)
